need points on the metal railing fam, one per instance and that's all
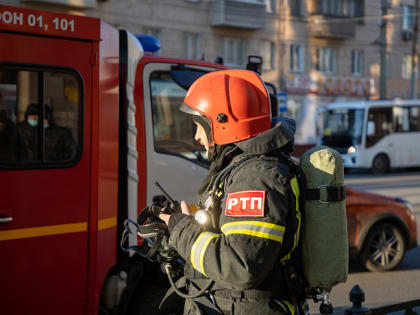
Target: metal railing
(357, 297)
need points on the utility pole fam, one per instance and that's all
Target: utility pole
(414, 54)
(382, 79)
(283, 47)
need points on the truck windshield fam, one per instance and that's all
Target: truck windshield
(342, 128)
(173, 130)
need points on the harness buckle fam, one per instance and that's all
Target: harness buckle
(325, 194)
(237, 295)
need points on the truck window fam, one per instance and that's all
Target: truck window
(40, 123)
(173, 130)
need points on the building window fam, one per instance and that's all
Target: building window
(359, 10)
(40, 117)
(193, 46)
(271, 5)
(340, 8)
(297, 58)
(357, 62)
(329, 7)
(295, 7)
(268, 53)
(156, 33)
(348, 8)
(406, 67)
(326, 59)
(232, 51)
(408, 16)
(253, 1)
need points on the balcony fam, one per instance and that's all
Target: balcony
(83, 4)
(246, 14)
(331, 27)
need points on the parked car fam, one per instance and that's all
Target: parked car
(381, 229)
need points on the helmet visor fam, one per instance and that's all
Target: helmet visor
(188, 110)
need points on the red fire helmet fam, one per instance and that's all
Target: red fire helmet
(236, 102)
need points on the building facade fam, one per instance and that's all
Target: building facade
(314, 51)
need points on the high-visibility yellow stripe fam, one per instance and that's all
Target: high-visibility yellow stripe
(54, 229)
(295, 188)
(198, 250)
(43, 231)
(266, 230)
(203, 251)
(258, 223)
(290, 306)
(193, 249)
(296, 191)
(255, 233)
(107, 223)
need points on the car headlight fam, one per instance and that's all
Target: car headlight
(406, 203)
(351, 150)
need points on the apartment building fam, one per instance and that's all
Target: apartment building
(314, 51)
(333, 52)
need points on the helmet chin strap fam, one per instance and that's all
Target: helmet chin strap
(212, 153)
(205, 123)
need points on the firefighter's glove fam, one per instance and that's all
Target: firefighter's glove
(156, 209)
(172, 219)
(168, 255)
(149, 224)
(172, 207)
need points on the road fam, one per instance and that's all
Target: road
(392, 287)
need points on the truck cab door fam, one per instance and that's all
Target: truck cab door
(45, 174)
(173, 156)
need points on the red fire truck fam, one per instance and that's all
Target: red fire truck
(111, 128)
(68, 181)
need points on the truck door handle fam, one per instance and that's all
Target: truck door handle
(6, 220)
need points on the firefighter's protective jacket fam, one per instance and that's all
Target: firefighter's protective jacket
(258, 224)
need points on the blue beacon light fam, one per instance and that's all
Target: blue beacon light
(149, 43)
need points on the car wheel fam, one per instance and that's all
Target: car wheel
(384, 248)
(380, 164)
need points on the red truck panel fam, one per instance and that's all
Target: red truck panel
(48, 23)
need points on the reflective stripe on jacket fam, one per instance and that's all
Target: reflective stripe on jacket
(243, 251)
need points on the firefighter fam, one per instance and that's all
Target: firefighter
(253, 224)
(59, 144)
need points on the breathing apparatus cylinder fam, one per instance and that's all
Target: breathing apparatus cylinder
(324, 240)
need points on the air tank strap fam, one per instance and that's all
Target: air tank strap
(326, 193)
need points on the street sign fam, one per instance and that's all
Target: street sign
(282, 100)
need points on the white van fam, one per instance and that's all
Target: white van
(378, 135)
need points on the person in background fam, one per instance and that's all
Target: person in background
(59, 144)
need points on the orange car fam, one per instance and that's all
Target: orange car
(381, 229)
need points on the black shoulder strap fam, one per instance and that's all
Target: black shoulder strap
(300, 176)
(223, 175)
